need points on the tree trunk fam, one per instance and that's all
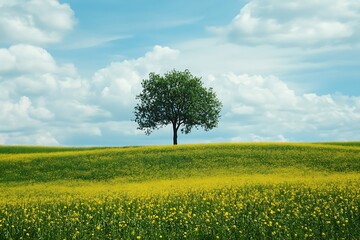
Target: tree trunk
(175, 134)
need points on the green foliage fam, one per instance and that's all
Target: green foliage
(145, 163)
(177, 98)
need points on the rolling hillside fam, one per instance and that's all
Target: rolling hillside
(137, 164)
(209, 191)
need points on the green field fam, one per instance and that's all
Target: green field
(209, 191)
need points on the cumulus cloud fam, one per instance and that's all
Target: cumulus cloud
(32, 71)
(22, 114)
(266, 108)
(34, 21)
(38, 97)
(24, 58)
(256, 107)
(49, 103)
(301, 23)
(42, 99)
(120, 81)
(42, 138)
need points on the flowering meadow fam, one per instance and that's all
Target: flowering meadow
(213, 191)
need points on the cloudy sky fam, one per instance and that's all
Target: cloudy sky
(284, 70)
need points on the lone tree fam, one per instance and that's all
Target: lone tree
(177, 98)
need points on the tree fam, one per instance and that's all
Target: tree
(177, 98)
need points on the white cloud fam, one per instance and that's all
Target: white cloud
(213, 56)
(26, 58)
(305, 23)
(260, 91)
(266, 107)
(34, 21)
(76, 111)
(2, 139)
(125, 128)
(256, 138)
(45, 139)
(7, 60)
(38, 138)
(241, 109)
(256, 107)
(21, 114)
(42, 100)
(47, 103)
(32, 71)
(39, 96)
(84, 41)
(120, 81)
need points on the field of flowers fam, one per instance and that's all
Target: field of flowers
(219, 191)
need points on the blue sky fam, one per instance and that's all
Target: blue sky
(127, 29)
(284, 70)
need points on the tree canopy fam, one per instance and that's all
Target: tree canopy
(177, 98)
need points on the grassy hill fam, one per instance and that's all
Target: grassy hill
(201, 191)
(137, 164)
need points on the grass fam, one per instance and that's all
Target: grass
(41, 149)
(210, 191)
(148, 163)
